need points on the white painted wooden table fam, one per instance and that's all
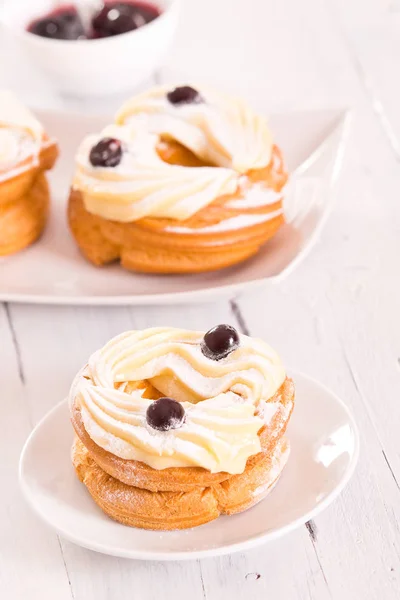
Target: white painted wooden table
(336, 317)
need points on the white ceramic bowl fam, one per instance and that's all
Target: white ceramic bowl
(93, 67)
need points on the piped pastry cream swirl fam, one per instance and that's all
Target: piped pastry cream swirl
(219, 129)
(225, 401)
(143, 185)
(223, 132)
(21, 137)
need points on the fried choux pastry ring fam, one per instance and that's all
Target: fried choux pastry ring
(26, 153)
(174, 427)
(184, 181)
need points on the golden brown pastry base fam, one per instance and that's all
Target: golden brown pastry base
(24, 205)
(135, 473)
(138, 507)
(148, 245)
(176, 498)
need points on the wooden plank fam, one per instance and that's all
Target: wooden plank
(372, 32)
(31, 561)
(288, 568)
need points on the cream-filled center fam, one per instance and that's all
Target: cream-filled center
(225, 401)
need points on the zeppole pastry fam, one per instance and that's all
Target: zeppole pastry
(175, 427)
(25, 154)
(186, 180)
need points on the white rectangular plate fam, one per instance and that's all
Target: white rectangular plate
(52, 271)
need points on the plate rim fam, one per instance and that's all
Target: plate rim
(248, 544)
(344, 115)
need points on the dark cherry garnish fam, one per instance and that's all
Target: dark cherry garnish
(120, 17)
(165, 414)
(106, 153)
(59, 26)
(220, 341)
(184, 95)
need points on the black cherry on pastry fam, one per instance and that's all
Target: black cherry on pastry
(106, 153)
(220, 341)
(165, 414)
(184, 95)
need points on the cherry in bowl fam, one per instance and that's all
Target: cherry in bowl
(114, 18)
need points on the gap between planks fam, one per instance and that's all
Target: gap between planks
(15, 342)
(66, 567)
(21, 375)
(311, 527)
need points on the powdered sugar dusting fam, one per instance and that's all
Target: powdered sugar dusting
(25, 147)
(232, 223)
(224, 401)
(267, 410)
(279, 460)
(256, 196)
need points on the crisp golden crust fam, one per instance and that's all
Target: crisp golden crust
(142, 508)
(12, 189)
(24, 204)
(182, 479)
(22, 221)
(152, 245)
(133, 493)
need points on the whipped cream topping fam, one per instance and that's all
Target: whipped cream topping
(8, 147)
(15, 147)
(226, 401)
(14, 114)
(21, 137)
(143, 184)
(221, 131)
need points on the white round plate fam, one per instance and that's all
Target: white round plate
(53, 271)
(324, 450)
